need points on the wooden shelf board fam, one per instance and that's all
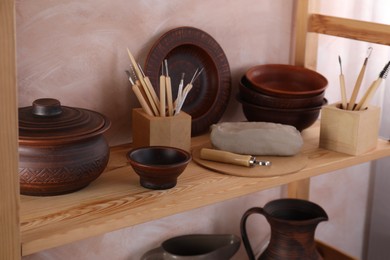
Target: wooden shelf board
(350, 28)
(116, 200)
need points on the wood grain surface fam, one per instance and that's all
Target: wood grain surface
(116, 200)
(349, 28)
(9, 191)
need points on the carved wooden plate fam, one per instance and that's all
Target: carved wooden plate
(186, 49)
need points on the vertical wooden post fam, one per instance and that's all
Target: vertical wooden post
(304, 53)
(304, 44)
(9, 179)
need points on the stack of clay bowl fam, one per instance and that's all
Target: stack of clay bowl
(284, 94)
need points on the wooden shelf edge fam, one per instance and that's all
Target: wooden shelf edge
(349, 28)
(116, 200)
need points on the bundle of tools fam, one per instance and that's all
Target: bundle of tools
(162, 105)
(363, 103)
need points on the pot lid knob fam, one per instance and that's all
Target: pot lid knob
(46, 107)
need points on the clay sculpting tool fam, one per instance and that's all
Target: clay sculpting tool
(186, 90)
(342, 87)
(150, 87)
(168, 87)
(372, 89)
(231, 158)
(359, 80)
(139, 95)
(162, 92)
(143, 84)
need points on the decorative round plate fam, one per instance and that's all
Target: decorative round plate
(186, 49)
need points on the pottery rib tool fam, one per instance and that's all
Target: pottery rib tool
(342, 87)
(162, 92)
(143, 84)
(169, 90)
(359, 80)
(372, 89)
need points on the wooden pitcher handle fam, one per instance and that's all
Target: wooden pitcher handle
(244, 234)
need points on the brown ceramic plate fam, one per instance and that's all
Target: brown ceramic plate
(186, 49)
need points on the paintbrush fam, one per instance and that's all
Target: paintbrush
(372, 89)
(359, 80)
(342, 87)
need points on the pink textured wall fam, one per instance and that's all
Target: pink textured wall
(75, 51)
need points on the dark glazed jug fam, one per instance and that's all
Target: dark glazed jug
(293, 223)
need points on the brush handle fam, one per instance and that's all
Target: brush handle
(343, 92)
(368, 95)
(356, 89)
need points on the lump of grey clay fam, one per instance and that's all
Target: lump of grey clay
(256, 138)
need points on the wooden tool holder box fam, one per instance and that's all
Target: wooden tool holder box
(347, 131)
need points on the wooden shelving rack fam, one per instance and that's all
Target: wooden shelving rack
(115, 200)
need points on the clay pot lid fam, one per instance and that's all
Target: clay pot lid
(48, 120)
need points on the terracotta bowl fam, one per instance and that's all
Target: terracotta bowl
(158, 166)
(286, 80)
(300, 118)
(250, 95)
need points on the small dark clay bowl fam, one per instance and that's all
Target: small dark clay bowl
(250, 95)
(299, 118)
(158, 166)
(286, 80)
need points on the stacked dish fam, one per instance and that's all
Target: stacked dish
(283, 94)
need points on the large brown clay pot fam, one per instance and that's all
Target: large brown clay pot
(61, 149)
(293, 223)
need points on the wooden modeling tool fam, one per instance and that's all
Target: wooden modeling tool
(342, 87)
(150, 88)
(139, 95)
(162, 92)
(143, 84)
(168, 87)
(359, 80)
(372, 89)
